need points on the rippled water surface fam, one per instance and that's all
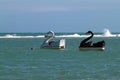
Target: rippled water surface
(19, 62)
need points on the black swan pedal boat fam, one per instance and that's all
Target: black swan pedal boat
(85, 45)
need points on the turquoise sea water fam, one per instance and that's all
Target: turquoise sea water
(19, 62)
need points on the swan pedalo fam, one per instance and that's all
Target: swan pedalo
(50, 43)
(86, 44)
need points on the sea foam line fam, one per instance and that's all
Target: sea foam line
(106, 33)
(60, 36)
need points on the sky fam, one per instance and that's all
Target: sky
(59, 15)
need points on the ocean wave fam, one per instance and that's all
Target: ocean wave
(60, 36)
(15, 36)
(106, 33)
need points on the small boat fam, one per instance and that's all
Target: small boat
(50, 43)
(85, 45)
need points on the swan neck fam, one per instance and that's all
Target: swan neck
(48, 39)
(88, 38)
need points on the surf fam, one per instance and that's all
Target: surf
(106, 33)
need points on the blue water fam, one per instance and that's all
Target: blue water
(19, 62)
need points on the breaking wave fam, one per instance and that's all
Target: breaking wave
(106, 33)
(15, 36)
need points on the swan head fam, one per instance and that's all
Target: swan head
(49, 34)
(89, 32)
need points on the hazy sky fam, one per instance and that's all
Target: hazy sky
(59, 15)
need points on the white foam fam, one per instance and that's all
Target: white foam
(15, 36)
(59, 36)
(106, 33)
(74, 35)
